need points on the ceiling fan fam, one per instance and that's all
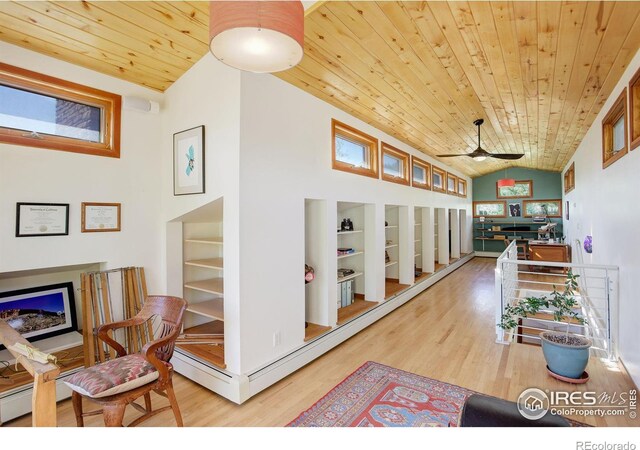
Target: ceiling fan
(480, 154)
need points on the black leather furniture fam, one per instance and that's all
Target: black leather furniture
(484, 411)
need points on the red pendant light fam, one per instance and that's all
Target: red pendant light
(257, 36)
(506, 182)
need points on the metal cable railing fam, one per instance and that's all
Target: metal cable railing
(597, 296)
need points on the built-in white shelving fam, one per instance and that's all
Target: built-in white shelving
(203, 285)
(350, 277)
(211, 286)
(209, 241)
(348, 255)
(213, 309)
(340, 233)
(209, 263)
(350, 294)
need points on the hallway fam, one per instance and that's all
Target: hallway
(445, 333)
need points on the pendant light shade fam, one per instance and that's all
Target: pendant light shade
(257, 36)
(506, 182)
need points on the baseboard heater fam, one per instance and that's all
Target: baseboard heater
(239, 388)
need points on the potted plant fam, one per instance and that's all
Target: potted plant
(566, 354)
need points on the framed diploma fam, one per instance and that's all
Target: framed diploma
(42, 219)
(97, 217)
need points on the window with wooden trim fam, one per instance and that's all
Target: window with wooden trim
(462, 187)
(452, 184)
(353, 151)
(395, 164)
(570, 178)
(634, 110)
(438, 179)
(497, 208)
(420, 173)
(37, 110)
(614, 132)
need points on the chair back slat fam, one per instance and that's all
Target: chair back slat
(170, 310)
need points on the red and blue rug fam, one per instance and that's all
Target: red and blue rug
(376, 395)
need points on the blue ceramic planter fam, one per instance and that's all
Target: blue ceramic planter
(566, 360)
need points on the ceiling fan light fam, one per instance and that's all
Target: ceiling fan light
(506, 182)
(479, 158)
(257, 36)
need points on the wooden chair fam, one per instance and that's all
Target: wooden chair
(142, 367)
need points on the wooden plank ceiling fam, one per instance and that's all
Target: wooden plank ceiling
(537, 72)
(148, 43)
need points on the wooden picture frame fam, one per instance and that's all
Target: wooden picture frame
(427, 171)
(512, 191)
(462, 188)
(618, 111)
(403, 157)
(532, 208)
(634, 111)
(452, 184)
(100, 217)
(42, 219)
(490, 204)
(438, 180)
(189, 161)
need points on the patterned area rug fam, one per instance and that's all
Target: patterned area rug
(376, 395)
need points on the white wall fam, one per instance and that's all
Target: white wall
(604, 204)
(208, 94)
(285, 149)
(267, 149)
(36, 175)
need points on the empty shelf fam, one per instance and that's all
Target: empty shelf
(355, 309)
(390, 263)
(212, 286)
(209, 308)
(210, 263)
(313, 330)
(211, 241)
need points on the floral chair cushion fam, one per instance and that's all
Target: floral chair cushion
(113, 377)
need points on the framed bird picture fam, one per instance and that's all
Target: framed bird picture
(188, 161)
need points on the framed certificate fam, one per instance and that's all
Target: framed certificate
(97, 217)
(42, 219)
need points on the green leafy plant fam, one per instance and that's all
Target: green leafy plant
(563, 304)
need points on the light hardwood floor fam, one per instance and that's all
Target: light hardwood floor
(445, 333)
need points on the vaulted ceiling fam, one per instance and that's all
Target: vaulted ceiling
(537, 72)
